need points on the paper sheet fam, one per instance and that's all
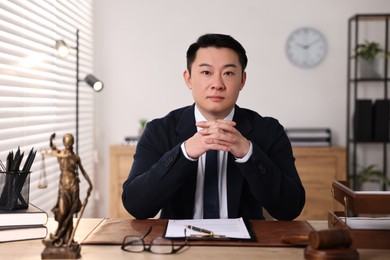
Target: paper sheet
(379, 223)
(231, 228)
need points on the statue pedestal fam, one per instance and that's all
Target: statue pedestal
(60, 252)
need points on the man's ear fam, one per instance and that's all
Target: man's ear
(187, 78)
(243, 80)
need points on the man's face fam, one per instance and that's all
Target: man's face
(215, 81)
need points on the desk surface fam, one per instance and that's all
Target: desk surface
(31, 249)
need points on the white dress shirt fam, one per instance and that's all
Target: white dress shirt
(222, 172)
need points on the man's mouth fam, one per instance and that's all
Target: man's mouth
(216, 98)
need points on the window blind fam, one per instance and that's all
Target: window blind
(38, 89)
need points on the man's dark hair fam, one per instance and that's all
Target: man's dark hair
(218, 41)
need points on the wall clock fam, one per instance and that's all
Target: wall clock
(306, 47)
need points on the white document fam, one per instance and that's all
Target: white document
(379, 223)
(230, 228)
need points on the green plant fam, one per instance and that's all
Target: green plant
(368, 50)
(369, 172)
(143, 122)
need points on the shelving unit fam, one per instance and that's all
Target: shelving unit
(361, 27)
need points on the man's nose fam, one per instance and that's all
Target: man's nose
(218, 83)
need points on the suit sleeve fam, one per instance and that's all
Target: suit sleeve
(272, 175)
(158, 171)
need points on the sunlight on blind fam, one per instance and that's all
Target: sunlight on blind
(37, 89)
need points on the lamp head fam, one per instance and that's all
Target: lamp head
(62, 48)
(96, 84)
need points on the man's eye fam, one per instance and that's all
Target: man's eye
(206, 72)
(229, 73)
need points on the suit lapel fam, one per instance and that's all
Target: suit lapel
(244, 125)
(185, 127)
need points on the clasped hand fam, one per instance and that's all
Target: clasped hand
(217, 135)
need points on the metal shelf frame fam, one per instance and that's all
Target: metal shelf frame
(353, 82)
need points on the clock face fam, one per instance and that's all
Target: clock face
(306, 47)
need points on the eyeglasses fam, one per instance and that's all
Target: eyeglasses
(158, 245)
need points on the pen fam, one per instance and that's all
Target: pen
(202, 230)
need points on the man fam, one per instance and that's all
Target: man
(255, 161)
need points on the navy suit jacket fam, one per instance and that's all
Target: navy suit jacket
(162, 178)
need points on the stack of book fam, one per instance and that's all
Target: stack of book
(19, 219)
(309, 136)
(23, 224)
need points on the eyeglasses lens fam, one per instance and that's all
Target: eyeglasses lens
(161, 245)
(133, 244)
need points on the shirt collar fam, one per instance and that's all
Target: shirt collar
(199, 117)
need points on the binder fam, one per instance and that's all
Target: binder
(363, 120)
(381, 120)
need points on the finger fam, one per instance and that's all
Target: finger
(219, 122)
(221, 137)
(213, 132)
(217, 125)
(226, 122)
(214, 144)
(204, 124)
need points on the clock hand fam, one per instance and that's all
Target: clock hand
(312, 42)
(303, 46)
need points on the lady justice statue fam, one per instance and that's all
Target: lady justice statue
(61, 243)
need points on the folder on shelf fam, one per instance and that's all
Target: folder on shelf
(381, 120)
(309, 136)
(363, 120)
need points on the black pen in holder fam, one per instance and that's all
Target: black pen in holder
(15, 183)
(15, 190)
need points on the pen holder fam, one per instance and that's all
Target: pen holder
(15, 190)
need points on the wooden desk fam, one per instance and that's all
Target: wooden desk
(32, 249)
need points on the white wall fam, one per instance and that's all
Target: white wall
(140, 54)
